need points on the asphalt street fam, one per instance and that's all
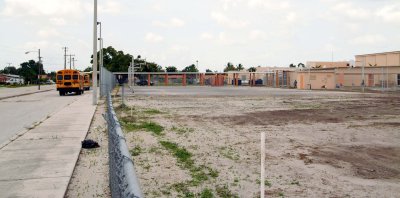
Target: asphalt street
(17, 114)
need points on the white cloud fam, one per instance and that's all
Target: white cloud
(57, 21)
(153, 38)
(390, 13)
(368, 39)
(48, 32)
(226, 21)
(110, 6)
(178, 48)
(351, 10)
(71, 8)
(268, 4)
(206, 36)
(172, 23)
(257, 35)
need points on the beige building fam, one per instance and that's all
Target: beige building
(377, 71)
(378, 59)
(326, 64)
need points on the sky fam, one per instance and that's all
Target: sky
(212, 32)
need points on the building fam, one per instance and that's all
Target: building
(371, 71)
(326, 64)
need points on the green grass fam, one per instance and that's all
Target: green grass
(199, 174)
(206, 193)
(181, 130)
(136, 151)
(229, 153)
(148, 126)
(224, 192)
(181, 154)
(266, 182)
(152, 111)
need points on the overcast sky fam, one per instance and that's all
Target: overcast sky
(179, 32)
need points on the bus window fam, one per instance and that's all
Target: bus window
(75, 77)
(67, 77)
(59, 77)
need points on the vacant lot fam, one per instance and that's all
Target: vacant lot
(205, 141)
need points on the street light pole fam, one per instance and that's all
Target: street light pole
(101, 60)
(39, 63)
(94, 78)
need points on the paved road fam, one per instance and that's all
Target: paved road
(19, 113)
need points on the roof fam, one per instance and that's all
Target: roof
(380, 53)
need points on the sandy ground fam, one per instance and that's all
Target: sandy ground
(319, 144)
(90, 177)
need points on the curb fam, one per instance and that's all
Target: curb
(24, 94)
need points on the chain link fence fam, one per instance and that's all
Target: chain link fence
(107, 82)
(123, 180)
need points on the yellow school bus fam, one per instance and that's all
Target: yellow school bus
(86, 83)
(68, 81)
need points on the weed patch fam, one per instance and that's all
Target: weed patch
(136, 151)
(224, 192)
(152, 111)
(206, 193)
(148, 126)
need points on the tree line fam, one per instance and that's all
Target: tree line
(28, 70)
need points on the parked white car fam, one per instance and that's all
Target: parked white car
(14, 81)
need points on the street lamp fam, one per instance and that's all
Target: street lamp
(94, 78)
(39, 63)
(101, 61)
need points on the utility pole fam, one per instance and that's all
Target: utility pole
(70, 60)
(73, 62)
(65, 57)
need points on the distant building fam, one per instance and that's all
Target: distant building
(391, 59)
(381, 71)
(327, 64)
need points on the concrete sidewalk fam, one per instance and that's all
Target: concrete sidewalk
(40, 162)
(20, 91)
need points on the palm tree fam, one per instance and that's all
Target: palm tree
(240, 67)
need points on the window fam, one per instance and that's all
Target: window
(398, 79)
(75, 77)
(67, 77)
(59, 77)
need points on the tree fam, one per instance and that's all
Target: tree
(301, 65)
(252, 69)
(240, 67)
(28, 70)
(148, 66)
(114, 61)
(229, 67)
(88, 69)
(171, 69)
(190, 68)
(292, 65)
(209, 71)
(10, 70)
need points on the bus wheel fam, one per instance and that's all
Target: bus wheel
(62, 93)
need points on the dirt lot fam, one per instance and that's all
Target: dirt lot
(199, 142)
